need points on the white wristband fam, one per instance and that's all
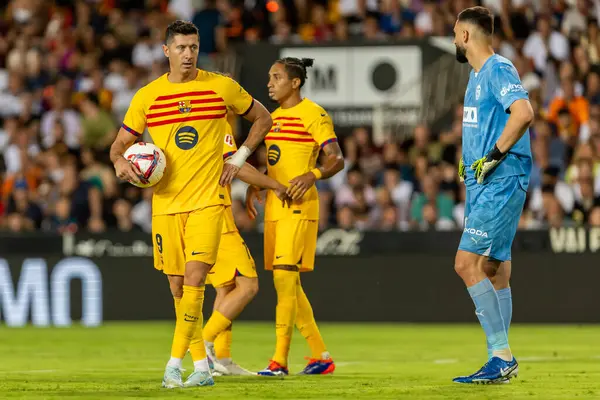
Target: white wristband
(240, 156)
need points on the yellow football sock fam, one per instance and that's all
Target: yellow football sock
(177, 303)
(188, 319)
(223, 344)
(306, 324)
(285, 313)
(216, 324)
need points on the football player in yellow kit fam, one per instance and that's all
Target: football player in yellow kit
(301, 129)
(185, 113)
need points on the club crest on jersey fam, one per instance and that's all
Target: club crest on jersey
(277, 127)
(477, 92)
(185, 106)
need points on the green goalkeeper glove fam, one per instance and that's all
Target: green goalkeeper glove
(485, 165)
(462, 172)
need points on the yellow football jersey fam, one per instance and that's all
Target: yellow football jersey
(188, 122)
(229, 149)
(293, 145)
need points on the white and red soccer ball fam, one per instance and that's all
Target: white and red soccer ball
(150, 160)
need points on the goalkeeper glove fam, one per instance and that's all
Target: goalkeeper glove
(485, 165)
(462, 172)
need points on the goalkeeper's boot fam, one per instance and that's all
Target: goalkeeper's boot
(199, 378)
(172, 378)
(233, 368)
(496, 370)
(274, 369)
(318, 367)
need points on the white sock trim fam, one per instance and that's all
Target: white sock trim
(201, 365)
(174, 362)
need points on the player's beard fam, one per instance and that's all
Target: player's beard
(461, 54)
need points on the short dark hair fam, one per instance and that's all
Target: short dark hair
(179, 27)
(296, 67)
(479, 16)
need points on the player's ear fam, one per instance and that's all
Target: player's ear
(165, 50)
(466, 35)
(295, 83)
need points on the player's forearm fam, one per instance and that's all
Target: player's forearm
(260, 127)
(333, 164)
(516, 126)
(117, 149)
(253, 177)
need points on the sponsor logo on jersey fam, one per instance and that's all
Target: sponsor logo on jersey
(273, 154)
(511, 88)
(186, 137)
(470, 117)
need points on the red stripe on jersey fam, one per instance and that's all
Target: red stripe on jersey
(289, 139)
(195, 101)
(291, 132)
(194, 110)
(294, 125)
(184, 94)
(288, 119)
(186, 119)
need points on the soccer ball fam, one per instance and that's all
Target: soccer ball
(150, 160)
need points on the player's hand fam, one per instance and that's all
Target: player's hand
(230, 171)
(485, 165)
(462, 172)
(281, 193)
(300, 184)
(127, 171)
(252, 193)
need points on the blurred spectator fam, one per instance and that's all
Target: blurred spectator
(69, 70)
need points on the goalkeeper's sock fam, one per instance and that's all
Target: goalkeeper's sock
(216, 324)
(223, 344)
(189, 318)
(487, 309)
(177, 301)
(285, 312)
(505, 299)
(306, 324)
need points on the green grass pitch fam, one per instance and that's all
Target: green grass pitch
(379, 361)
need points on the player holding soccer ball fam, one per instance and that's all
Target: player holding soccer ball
(185, 112)
(497, 153)
(301, 128)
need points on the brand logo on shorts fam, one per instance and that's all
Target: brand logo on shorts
(186, 137)
(273, 154)
(476, 232)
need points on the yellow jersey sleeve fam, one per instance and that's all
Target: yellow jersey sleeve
(135, 118)
(236, 97)
(322, 130)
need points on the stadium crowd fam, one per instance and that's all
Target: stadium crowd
(68, 70)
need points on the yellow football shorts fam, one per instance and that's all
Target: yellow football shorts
(192, 236)
(234, 259)
(291, 242)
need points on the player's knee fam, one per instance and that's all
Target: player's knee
(251, 288)
(176, 286)
(464, 265)
(195, 273)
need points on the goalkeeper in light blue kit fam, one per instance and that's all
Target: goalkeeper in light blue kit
(496, 168)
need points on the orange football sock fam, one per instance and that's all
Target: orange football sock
(216, 324)
(306, 324)
(223, 343)
(285, 312)
(188, 319)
